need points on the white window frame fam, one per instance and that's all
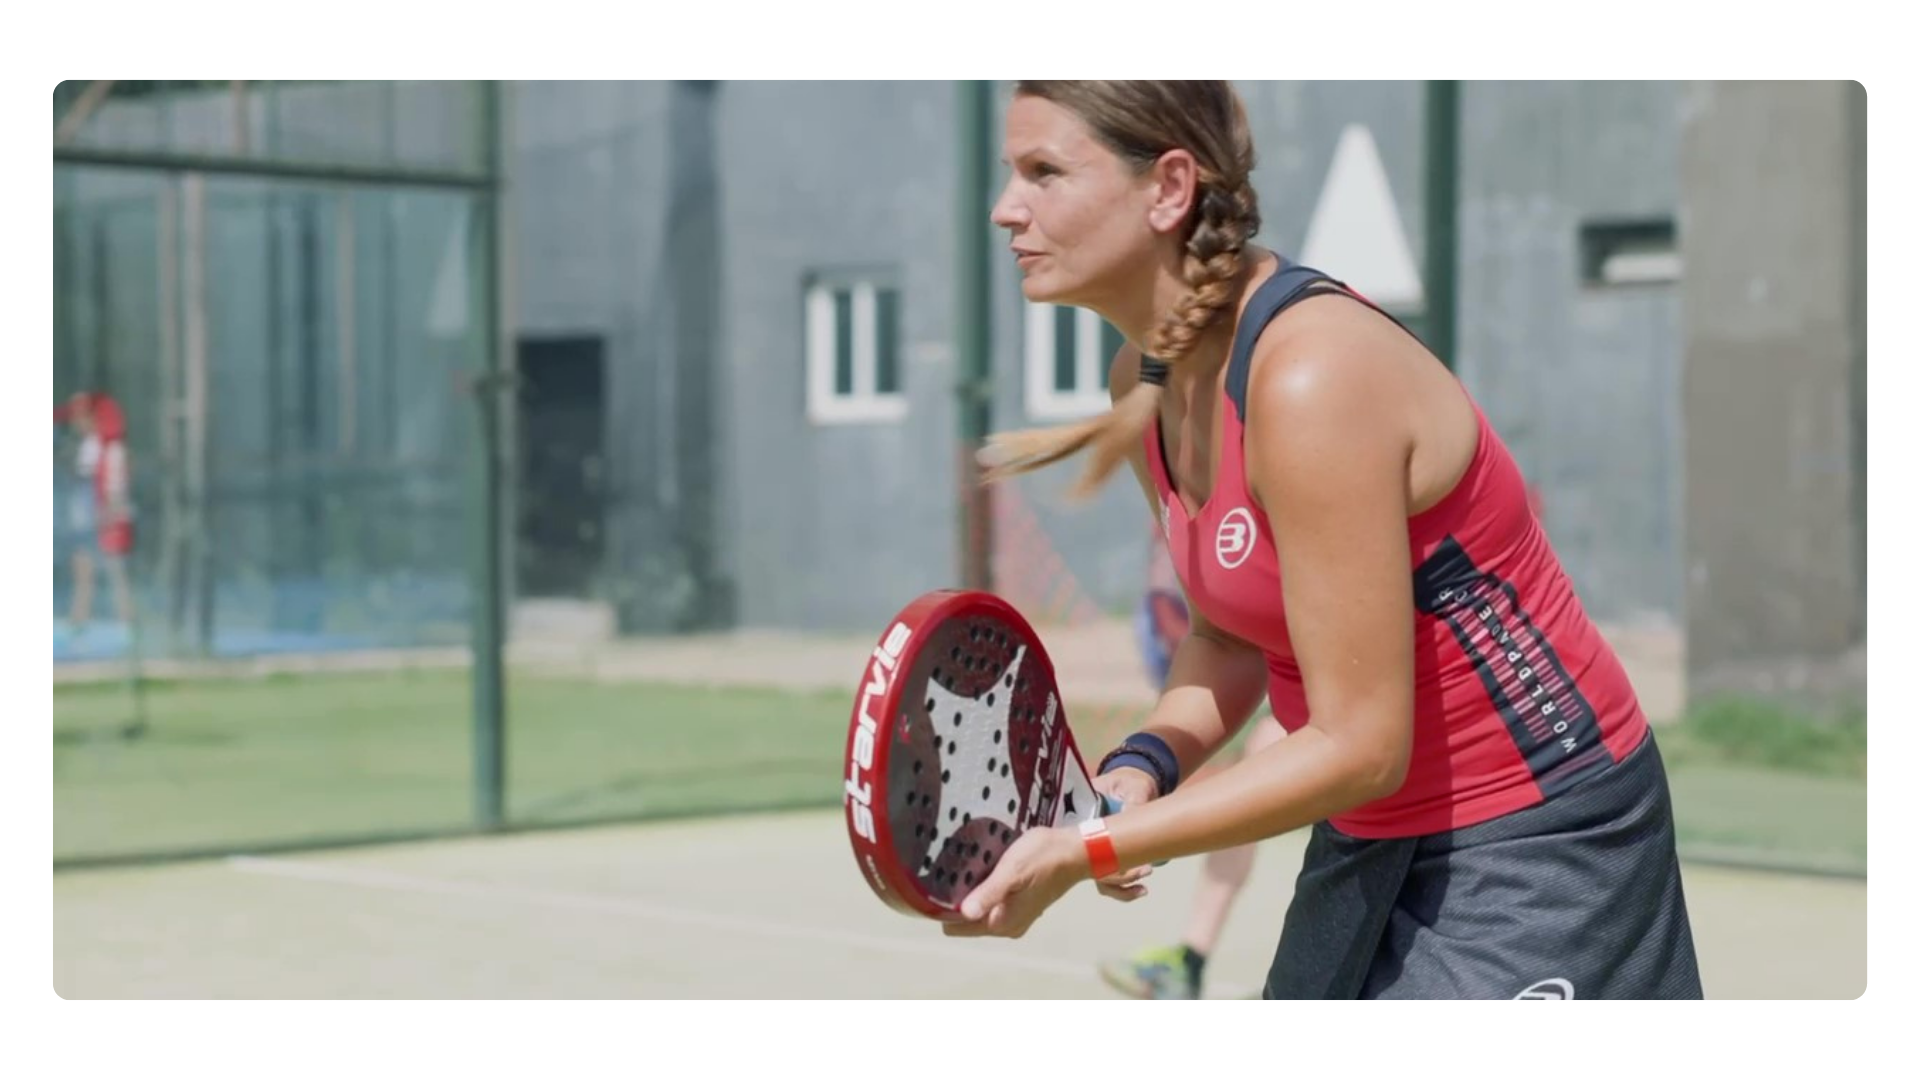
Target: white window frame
(866, 404)
(1088, 397)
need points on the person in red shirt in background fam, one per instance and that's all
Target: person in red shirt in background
(100, 520)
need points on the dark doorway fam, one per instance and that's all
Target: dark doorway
(563, 466)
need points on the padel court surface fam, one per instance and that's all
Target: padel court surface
(742, 907)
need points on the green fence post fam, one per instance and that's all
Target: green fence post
(973, 315)
(489, 383)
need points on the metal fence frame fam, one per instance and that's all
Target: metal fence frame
(488, 384)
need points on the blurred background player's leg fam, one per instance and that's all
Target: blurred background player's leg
(79, 540)
(122, 589)
(81, 608)
(115, 548)
(1225, 872)
(1178, 971)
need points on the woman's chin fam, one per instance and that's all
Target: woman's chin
(1039, 289)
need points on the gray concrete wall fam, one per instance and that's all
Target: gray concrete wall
(835, 525)
(1581, 381)
(1773, 208)
(615, 213)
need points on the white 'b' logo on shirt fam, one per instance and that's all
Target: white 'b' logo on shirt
(1234, 542)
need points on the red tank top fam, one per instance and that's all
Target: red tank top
(1516, 694)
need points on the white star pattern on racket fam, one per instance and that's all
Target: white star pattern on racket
(975, 761)
(976, 756)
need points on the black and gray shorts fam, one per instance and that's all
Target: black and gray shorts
(1576, 897)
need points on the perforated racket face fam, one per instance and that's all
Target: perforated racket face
(970, 748)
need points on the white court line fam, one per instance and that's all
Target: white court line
(963, 952)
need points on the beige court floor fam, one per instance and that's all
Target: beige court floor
(744, 907)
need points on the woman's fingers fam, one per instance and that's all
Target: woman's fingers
(1123, 893)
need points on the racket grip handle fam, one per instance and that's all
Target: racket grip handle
(1111, 805)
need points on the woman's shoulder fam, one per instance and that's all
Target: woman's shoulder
(1328, 353)
(1329, 387)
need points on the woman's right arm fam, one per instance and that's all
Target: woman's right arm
(1215, 680)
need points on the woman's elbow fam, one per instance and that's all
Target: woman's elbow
(1379, 765)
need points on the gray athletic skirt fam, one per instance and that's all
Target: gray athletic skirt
(1577, 897)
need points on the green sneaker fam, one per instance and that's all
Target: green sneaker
(1158, 974)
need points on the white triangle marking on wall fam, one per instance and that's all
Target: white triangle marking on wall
(1355, 233)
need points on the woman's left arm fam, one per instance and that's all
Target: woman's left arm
(1328, 445)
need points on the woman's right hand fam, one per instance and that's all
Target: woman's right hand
(1129, 787)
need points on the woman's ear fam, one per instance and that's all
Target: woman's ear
(1174, 188)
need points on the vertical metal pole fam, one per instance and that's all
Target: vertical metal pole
(195, 330)
(99, 364)
(66, 325)
(173, 477)
(1443, 209)
(346, 329)
(242, 123)
(487, 632)
(973, 315)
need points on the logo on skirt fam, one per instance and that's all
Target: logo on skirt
(1547, 990)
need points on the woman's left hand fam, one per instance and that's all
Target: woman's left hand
(1036, 871)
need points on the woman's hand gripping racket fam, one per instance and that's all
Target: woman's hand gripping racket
(957, 746)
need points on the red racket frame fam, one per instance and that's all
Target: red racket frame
(879, 700)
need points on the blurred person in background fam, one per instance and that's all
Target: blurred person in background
(99, 510)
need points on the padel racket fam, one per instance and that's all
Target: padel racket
(958, 744)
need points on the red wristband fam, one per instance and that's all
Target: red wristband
(1100, 853)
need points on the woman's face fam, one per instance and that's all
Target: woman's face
(1076, 212)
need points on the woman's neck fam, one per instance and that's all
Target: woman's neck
(1202, 362)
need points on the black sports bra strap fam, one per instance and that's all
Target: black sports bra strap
(1289, 284)
(1275, 295)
